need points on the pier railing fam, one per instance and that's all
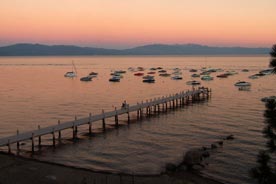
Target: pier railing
(152, 105)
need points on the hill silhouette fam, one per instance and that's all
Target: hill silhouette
(25, 49)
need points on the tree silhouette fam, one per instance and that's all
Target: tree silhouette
(270, 129)
(265, 171)
(273, 51)
(273, 58)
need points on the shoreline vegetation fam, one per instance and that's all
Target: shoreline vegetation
(15, 169)
(27, 49)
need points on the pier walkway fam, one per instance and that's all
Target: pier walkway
(151, 106)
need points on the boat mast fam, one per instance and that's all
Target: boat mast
(74, 67)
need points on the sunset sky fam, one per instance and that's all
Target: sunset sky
(128, 23)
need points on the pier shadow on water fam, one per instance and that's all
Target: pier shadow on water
(135, 139)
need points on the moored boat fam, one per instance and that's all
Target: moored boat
(115, 79)
(253, 76)
(267, 71)
(193, 83)
(162, 71)
(177, 77)
(177, 73)
(164, 74)
(242, 83)
(70, 74)
(149, 80)
(193, 70)
(93, 73)
(231, 72)
(195, 75)
(207, 78)
(205, 73)
(139, 74)
(224, 75)
(120, 71)
(87, 78)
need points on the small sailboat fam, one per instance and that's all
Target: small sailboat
(72, 73)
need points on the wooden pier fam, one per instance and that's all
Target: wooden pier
(155, 105)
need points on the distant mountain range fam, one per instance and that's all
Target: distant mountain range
(155, 49)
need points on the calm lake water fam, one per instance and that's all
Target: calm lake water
(34, 92)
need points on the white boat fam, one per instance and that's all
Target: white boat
(242, 83)
(267, 71)
(207, 78)
(72, 73)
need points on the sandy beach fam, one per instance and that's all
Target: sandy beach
(19, 170)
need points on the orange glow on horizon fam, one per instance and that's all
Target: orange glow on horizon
(104, 23)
